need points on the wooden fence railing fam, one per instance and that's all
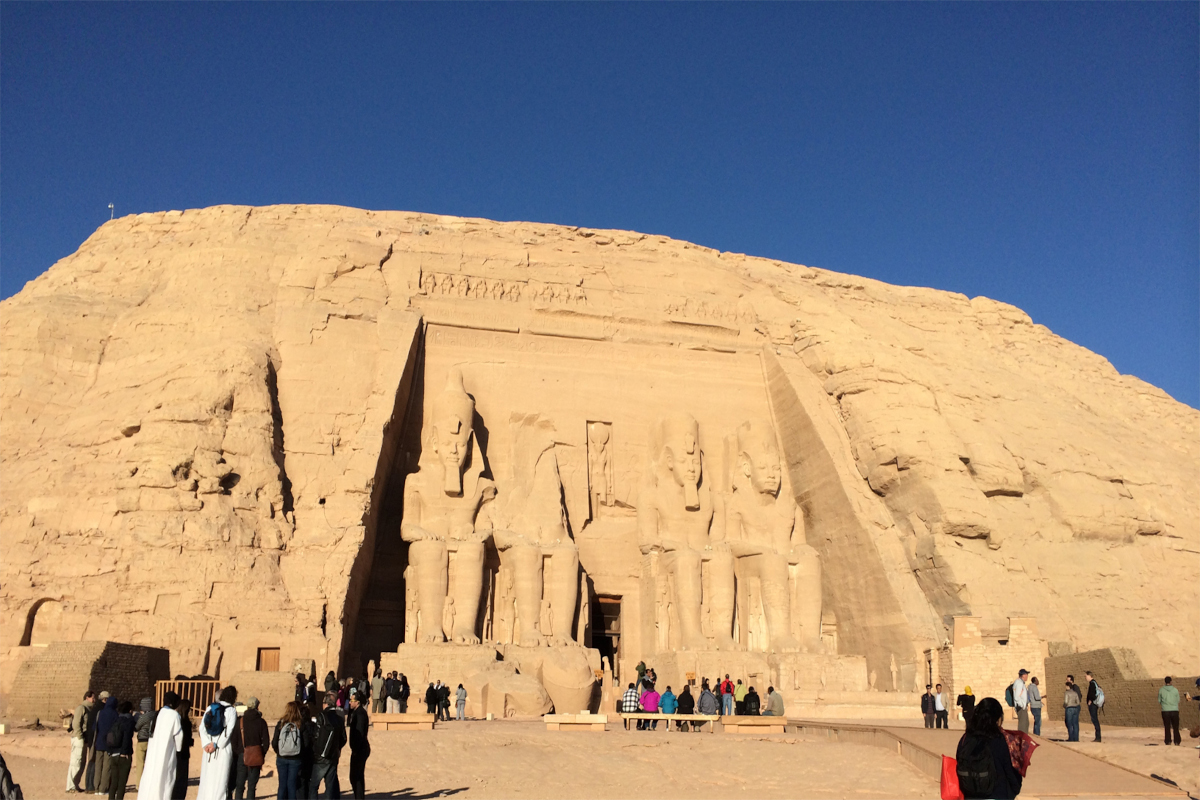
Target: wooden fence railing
(201, 694)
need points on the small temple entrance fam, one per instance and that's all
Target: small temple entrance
(606, 631)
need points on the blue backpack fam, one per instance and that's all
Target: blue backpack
(214, 720)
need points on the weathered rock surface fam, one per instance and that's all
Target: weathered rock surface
(199, 414)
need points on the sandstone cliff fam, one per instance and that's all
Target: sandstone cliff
(200, 413)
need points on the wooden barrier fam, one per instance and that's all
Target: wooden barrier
(201, 694)
(736, 724)
(709, 718)
(577, 722)
(403, 722)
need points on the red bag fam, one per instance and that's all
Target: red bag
(950, 790)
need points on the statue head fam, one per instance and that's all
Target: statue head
(450, 434)
(680, 455)
(598, 433)
(758, 457)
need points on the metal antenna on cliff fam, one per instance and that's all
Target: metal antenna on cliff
(110, 211)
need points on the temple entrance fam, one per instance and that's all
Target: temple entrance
(606, 631)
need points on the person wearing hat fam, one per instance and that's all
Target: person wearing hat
(92, 772)
(143, 722)
(251, 740)
(1020, 693)
(158, 773)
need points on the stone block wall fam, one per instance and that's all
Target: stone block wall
(57, 677)
(980, 661)
(1130, 692)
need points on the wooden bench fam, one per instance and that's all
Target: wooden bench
(576, 722)
(403, 722)
(735, 724)
(710, 718)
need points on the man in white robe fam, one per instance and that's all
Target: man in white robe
(217, 751)
(158, 773)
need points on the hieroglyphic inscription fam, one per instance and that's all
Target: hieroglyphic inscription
(476, 287)
(701, 310)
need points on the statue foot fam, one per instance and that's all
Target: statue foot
(787, 644)
(562, 641)
(466, 638)
(531, 640)
(432, 638)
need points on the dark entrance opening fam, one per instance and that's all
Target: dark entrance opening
(606, 631)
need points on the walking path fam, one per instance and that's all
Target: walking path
(1056, 771)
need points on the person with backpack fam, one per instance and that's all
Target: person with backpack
(216, 740)
(1071, 701)
(985, 767)
(81, 739)
(104, 722)
(725, 690)
(751, 704)
(444, 702)
(119, 741)
(1017, 696)
(1095, 702)
(287, 742)
(250, 742)
(143, 722)
(327, 733)
(358, 724)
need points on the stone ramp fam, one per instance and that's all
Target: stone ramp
(1055, 771)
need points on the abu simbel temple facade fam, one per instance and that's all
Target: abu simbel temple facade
(527, 457)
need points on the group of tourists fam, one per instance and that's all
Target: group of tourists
(728, 699)
(437, 701)
(111, 748)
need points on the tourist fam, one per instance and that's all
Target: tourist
(739, 698)
(216, 734)
(708, 703)
(158, 773)
(928, 710)
(641, 672)
(301, 695)
(1094, 702)
(668, 703)
(288, 742)
(343, 695)
(81, 739)
(92, 771)
(650, 701)
(391, 689)
(183, 758)
(631, 704)
(104, 721)
(1035, 704)
(360, 749)
(687, 706)
(143, 723)
(331, 682)
(431, 699)
(985, 768)
(327, 735)
(250, 743)
(310, 692)
(1071, 700)
(444, 702)
(751, 705)
(941, 712)
(774, 704)
(460, 703)
(404, 693)
(120, 751)
(1020, 700)
(1168, 701)
(378, 697)
(725, 689)
(966, 704)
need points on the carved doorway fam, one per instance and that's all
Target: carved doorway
(606, 631)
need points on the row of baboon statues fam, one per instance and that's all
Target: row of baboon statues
(696, 538)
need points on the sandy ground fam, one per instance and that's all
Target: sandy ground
(1140, 750)
(522, 759)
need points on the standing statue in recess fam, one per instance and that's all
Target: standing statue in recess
(530, 529)
(441, 500)
(675, 512)
(765, 532)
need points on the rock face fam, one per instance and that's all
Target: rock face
(209, 418)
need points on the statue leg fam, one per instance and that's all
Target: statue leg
(428, 559)
(527, 583)
(468, 586)
(721, 598)
(686, 570)
(808, 589)
(563, 592)
(777, 602)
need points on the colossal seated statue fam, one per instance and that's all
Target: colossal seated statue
(530, 528)
(764, 530)
(441, 500)
(675, 512)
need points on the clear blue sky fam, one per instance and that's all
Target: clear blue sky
(1040, 154)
